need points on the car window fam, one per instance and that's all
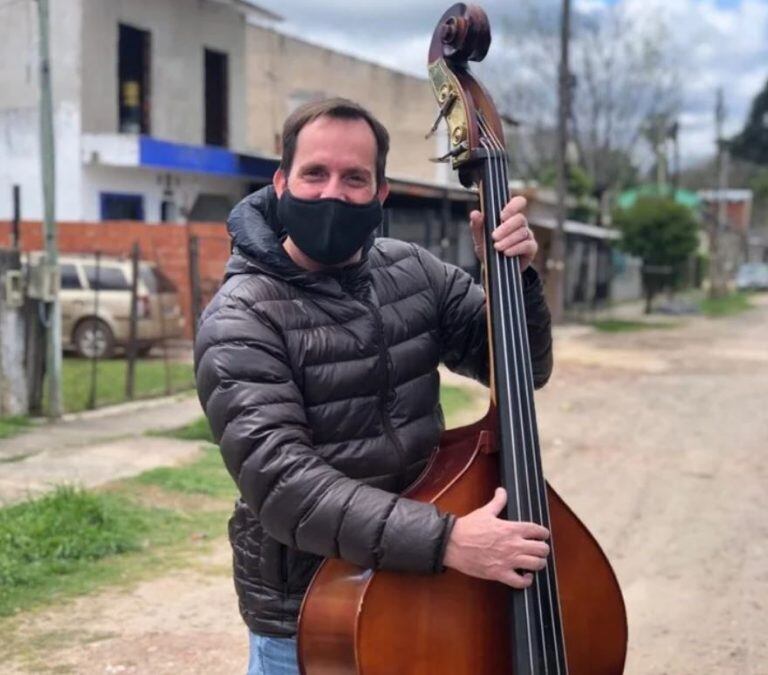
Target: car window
(110, 278)
(68, 277)
(156, 281)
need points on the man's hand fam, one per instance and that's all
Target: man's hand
(512, 237)
(484, 546)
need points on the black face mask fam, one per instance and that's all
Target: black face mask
(328, 230)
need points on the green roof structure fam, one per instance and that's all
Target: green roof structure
(627, 199)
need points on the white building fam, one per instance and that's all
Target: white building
(149, 108)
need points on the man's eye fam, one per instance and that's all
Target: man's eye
(357, 180)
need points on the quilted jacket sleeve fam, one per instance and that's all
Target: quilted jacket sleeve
(256, 413)
(463, 325)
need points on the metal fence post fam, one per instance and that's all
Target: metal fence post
(194, 282)
(130, 371)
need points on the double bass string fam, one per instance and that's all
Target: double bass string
(493, 211)
(552, 630)
(508, 298)
(510, 271)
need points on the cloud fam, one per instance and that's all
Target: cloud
(720, 43)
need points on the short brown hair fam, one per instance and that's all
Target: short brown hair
(336, 108)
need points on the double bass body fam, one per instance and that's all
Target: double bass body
(385, 623)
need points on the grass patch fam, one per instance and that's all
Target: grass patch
(454, 401)
(734, 303)
(10, 426)
(56, 542)
(72, 542)
(206, 476)
(110, 381)
(194, 431)
(626, 326)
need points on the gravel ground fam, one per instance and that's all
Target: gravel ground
(657, 439)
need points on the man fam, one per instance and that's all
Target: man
(317, 365)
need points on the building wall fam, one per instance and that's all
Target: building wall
(84, 68)
(19, 100)
(284, 72)
(150, 183)
(180, 30)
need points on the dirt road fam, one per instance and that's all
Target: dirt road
(658, 441)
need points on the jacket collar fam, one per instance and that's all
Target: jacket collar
(257, 247)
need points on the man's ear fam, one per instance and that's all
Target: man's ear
(279, 181)
(383, 192)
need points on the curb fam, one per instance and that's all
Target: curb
(119, 408)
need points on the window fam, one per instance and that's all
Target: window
(68, 277)
(133, 71)
(156, 281)
(116, 206)
(216, 102)
(109, 278)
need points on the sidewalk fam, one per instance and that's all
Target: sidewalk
(96, 447)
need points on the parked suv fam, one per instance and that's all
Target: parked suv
(95, 328)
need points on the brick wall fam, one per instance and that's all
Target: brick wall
(164, 244)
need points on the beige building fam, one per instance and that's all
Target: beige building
(284, 72)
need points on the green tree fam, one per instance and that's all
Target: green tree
(752, 143)
(664, 234)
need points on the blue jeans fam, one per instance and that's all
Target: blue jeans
(272, 656)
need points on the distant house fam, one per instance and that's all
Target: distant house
(731, 209)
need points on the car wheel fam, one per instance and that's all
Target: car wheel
(94, 340)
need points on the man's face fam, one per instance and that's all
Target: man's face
(334, 158)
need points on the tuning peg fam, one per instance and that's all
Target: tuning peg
(461, 147)
(445, 108)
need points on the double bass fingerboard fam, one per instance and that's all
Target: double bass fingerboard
(537, 639)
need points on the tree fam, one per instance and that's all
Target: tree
(752, 143)
(624, 74)
(664, 235)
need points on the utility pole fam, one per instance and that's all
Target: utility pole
(47, 165)
(557, 252)
(718, 221)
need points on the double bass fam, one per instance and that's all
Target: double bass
(571, 620)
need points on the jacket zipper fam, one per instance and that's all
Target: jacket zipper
(284, 569)
(384, 359)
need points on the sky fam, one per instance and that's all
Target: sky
(722, 43)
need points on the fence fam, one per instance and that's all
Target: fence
(167, 245)
(192, 257)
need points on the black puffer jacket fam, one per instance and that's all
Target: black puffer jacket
(323, 393)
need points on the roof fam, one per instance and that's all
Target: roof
(414, 187)
(730, 195)
(627, 199)
(575, 227)
(249, 7)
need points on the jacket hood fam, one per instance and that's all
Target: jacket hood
(257, 247)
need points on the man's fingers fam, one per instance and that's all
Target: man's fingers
(530, 562)
(518, 236)
(516, 580)
(534, 531)
(497, 503)
(513, 206)
(536, 548)
(507, 227)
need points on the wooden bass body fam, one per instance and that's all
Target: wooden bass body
(356, 621)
